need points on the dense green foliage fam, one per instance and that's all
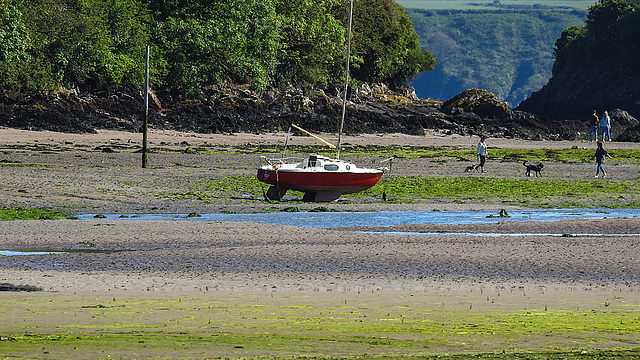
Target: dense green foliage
(386, 45)
(610, 36)
(92, 45)
(507, 52)
(97, 46)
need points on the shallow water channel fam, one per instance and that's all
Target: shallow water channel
(378, 218)
(384, 218)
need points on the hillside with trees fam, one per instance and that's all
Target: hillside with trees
(596, 65)
(508, 52)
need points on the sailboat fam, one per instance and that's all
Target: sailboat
(320, 178)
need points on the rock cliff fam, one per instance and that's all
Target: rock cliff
(596, 68)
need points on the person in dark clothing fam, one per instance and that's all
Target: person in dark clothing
(594, 122)
(600, 155)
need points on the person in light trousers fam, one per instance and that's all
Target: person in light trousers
(605, 125)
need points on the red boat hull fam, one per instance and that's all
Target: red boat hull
(334, 182)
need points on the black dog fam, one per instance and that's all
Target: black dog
(472, 167)
(535, 168)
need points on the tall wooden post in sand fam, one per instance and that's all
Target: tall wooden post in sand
(145, 122)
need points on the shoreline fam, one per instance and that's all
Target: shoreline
(169, 137)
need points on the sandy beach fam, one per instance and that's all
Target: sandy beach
(73, 171)
(135, 258)
(99, 255)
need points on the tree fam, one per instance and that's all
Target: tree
(14, 38)
(629, 44)
(609, 24)
(212, 41)
(313, 42)
(569, 49)
(97, 46)
(93, 45)
(385, 46)
(14, 45)
(602, 19)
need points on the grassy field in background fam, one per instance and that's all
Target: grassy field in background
(477, 4)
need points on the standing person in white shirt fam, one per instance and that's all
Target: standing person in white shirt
(482, 152)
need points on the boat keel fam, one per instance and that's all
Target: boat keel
(321, 196)
(276, 193)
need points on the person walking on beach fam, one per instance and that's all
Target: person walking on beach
(600, 155)
(605, 125)
(593, 126)
(482, 152)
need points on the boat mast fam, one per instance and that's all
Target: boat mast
(346, 80)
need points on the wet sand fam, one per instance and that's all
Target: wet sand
(102, 255)
(74, 171)
(173, 258)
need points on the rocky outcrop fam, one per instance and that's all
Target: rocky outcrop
(480, 102)
(371, 109)
(577, 95)
(577, 100)
(624, 127)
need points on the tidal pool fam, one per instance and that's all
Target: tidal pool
(15, 253)
(383, 218)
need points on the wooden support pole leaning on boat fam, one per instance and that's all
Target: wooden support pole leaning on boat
(314, 136)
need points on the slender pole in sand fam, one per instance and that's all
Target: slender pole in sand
(346, 81)
(145, 123)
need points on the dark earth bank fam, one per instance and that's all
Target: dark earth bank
(235, 109)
